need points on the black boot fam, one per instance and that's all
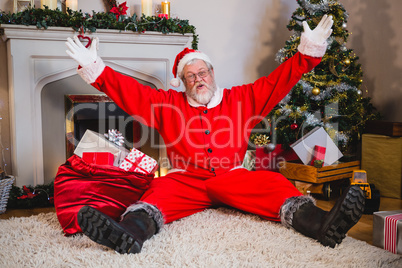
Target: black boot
(126, 236)
(329, 228)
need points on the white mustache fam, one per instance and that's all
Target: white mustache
(200, 84)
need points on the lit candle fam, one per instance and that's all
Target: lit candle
(166, 8)
(146, 7)
(72, 4)
(52, 4)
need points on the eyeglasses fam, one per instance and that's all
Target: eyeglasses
(191, 77)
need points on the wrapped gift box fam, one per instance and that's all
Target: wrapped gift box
(382, 160)
(318, 154)
(266, 160)
(95, 142)
(393, 129)
(304, 147)
(387, 230)
(137, 161)
(99, 158)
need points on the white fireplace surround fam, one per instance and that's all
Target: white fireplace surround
(37, 57)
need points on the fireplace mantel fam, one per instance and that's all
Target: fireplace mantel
(37, 57)
(11, 31)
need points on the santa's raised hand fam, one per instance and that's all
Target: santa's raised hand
(321, 33)
(84, 56)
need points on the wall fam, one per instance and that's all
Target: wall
(242, 38)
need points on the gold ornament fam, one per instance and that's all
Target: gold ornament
(347, 61)
(315, 91)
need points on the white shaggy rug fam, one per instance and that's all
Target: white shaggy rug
(213, 238)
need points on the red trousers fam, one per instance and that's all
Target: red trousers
(178, 194)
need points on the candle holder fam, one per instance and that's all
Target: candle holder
(147, 7)
(21, 5)
(51, 4)
(72, 4)
(165, 6)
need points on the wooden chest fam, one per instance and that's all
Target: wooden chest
(301, 172)
(317, 180)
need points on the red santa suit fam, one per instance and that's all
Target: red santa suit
(206, 144)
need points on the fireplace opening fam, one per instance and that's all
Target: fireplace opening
(97, 112)
(61, 133)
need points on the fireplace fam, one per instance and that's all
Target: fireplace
(97, 112)
(40, 72)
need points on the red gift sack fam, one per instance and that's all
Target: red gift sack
(107, 188)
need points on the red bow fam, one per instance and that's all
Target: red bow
(28, 193)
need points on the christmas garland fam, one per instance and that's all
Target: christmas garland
(83, 22)
(31, 197)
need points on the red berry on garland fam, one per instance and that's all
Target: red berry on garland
(294, 126)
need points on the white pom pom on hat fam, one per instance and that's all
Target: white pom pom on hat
(175, 82)
(182, 59)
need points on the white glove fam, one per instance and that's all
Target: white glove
(323, 30)
(80, 53)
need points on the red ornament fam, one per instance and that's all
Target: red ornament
(294, 126)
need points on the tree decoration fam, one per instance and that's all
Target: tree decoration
(315, 91)
(329, 95)
(83, 22)
(260, 139)
(270, 147)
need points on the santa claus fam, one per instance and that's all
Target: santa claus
(206, 131)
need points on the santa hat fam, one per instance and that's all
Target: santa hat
(182, 59)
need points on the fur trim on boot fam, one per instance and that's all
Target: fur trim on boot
(151, 210)
(290, 206)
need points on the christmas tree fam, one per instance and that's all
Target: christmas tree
(330, 95)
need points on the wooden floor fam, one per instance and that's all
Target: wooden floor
(363, 230)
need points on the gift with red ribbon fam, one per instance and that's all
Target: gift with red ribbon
(387, 230)
(137, 161)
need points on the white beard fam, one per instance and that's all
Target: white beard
(202, 98)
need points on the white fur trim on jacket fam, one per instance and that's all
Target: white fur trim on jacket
(310, 48)
(92, 71)
(290, 206)
(151, 210)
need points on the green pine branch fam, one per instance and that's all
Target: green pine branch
(44, 18)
